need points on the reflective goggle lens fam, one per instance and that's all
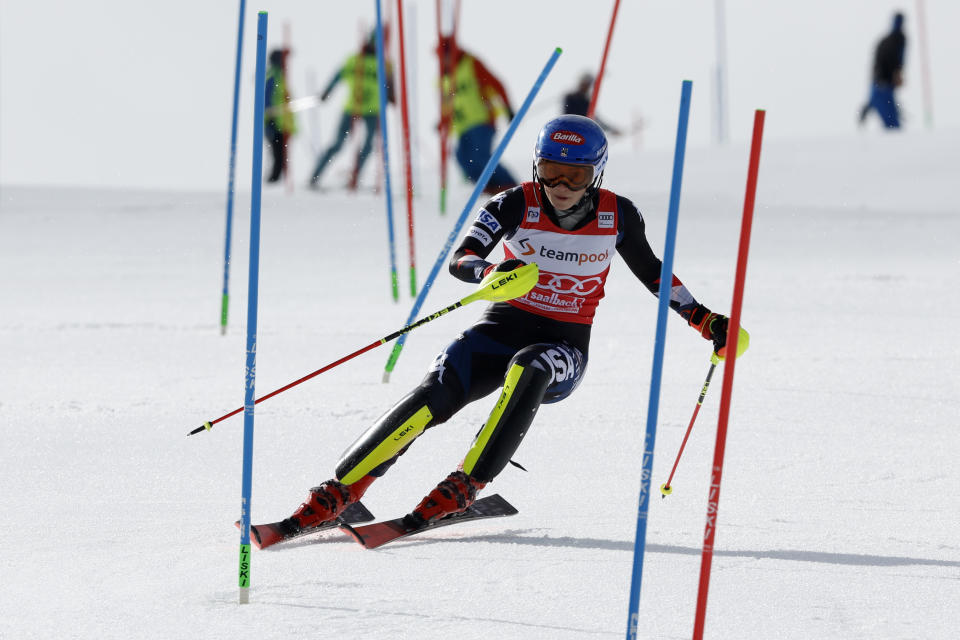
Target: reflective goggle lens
(574, 176)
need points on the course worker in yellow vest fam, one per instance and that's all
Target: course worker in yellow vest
(478, 97)
(359, 72)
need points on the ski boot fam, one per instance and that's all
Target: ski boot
(452, 495)
(326, 502)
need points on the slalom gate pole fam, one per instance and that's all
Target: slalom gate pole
(382, 82)
(248, 403)
(287, 48)
(720, 29)
(496, 287)
(407, 161)
(667, 488)
(603, 62)
(413, 71)
(444, 116)
(225, 294)
(666, 282)
(477, 190)
(733, 333)
(924, 64)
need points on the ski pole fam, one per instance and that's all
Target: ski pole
(498, 286)
(666, 488)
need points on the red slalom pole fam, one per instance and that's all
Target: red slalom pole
(733, 332)
(407, 160)
(444, 127)
(666, 488)
(603, 62)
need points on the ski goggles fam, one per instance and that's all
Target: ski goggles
(573, 176)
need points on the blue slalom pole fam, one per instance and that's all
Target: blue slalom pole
(382, 82)
(477, 190)
(250, 396)
(666, 282)
(225, 295)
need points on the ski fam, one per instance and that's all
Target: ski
(378, 534)
(267, 535)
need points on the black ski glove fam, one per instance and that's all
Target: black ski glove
(506, 265)
(714, 327)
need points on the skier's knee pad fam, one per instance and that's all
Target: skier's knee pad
(522, 393)
(380, 445)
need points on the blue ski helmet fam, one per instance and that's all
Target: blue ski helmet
(573, 139)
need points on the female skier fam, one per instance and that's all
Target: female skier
(534, 347)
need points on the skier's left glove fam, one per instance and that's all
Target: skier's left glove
(506, 265)
(714, 326)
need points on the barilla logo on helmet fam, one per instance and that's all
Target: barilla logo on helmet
(567, 137)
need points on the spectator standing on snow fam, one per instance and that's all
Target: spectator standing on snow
(535, 347)
(278, 122)
(359, 72)
(887, 76)
(477, 97)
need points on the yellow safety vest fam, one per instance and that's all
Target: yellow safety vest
(363, 96)
(470, 106)
(283, 117)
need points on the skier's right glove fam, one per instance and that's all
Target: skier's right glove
(714, 327)
(506, 265)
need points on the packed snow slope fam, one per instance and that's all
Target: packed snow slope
(838, 515)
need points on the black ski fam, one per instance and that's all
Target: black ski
(267, 535)
(378, 534)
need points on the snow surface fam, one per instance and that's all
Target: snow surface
(841, 491)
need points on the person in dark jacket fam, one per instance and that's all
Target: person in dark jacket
(278, 122)
(577, 102)
(887, 76)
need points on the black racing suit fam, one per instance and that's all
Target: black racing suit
(533, 358)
